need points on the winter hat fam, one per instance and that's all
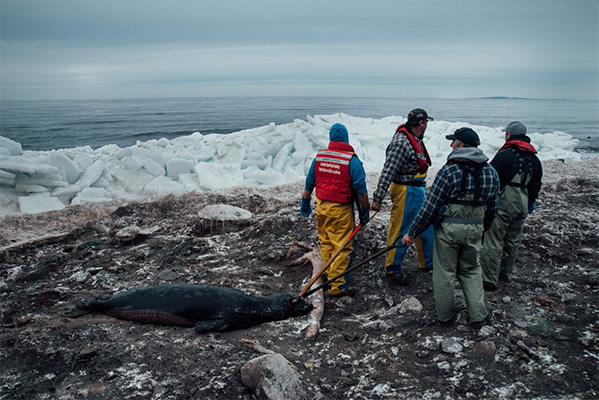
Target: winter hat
(515, 128)
(466, 136)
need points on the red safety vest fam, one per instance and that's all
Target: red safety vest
(520, 145)
(424, 160)
(333, 181)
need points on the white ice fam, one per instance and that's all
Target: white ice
(39, 181)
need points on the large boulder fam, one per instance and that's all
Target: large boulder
(272, 377)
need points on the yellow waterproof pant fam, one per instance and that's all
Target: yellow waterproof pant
(334, 223)
(406, 202)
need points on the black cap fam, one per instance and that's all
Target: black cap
(417, 115)
(466, 136)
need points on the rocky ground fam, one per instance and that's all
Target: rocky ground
(543, 341)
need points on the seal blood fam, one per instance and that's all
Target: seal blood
(207, 308)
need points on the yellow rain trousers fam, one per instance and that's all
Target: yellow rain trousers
(334, 223)
(406, 202)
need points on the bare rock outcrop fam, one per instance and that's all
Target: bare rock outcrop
(272, 377)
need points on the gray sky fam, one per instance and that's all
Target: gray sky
(417, 49)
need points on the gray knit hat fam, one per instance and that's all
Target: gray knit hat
(515, 128)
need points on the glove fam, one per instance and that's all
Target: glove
(305, 209)
(364, 216)
(531, 207)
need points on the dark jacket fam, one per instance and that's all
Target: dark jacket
(509, 161)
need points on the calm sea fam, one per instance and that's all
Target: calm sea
(47, 125)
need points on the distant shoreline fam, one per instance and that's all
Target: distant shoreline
(393, 98)
(515, 98)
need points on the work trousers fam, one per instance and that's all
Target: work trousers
(457, 248)
(406, 202)
(503, 239)
(334, 224)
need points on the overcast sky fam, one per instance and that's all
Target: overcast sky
(413, 49)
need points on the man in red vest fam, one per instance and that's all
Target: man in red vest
(405, 169)
(520, 173)
(339, 177)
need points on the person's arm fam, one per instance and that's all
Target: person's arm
(433, 202)
(534, 185)
(358, 178)
(491, 196)
(502, 163)
(363, 199)
(305, 208)
(311, 177)
(395, 155)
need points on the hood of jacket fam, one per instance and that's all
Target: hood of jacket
(338, 133)
(473, 154)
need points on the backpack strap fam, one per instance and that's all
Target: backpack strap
(474, 170)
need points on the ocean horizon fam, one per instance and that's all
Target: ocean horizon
(43, 125)
(145, 148)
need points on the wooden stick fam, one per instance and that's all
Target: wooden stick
(257, 346)
(297, 243)
(36, 240)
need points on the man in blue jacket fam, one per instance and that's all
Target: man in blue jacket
(338, 176)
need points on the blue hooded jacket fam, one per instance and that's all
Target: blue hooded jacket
(338, 133)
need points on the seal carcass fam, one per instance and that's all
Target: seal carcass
(207, 308)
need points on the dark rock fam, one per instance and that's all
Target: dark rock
(542, 328)
(486, 347)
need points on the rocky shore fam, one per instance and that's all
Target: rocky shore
(384, 342)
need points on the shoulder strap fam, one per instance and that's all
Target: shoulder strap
(422, 156)
(474, 170)
(524, 167)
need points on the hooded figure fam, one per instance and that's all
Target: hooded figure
(461, 204)
(339, 178)
(338, 133)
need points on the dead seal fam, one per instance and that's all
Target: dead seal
(206, 308)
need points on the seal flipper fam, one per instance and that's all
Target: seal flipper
(82, 307)
(76, 312)
(212, 325)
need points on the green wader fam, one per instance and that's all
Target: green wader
(458, 241)
(503, 239)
